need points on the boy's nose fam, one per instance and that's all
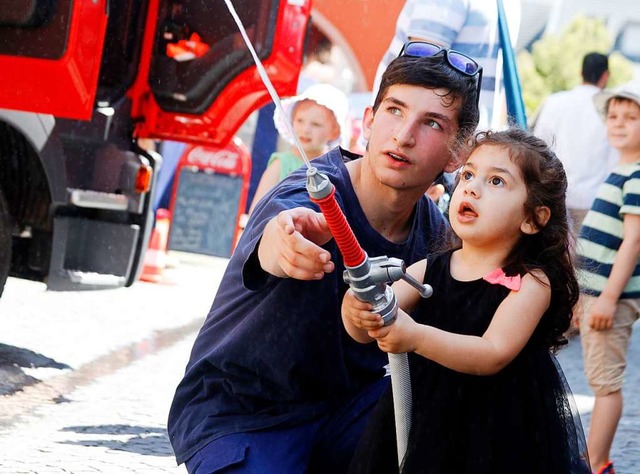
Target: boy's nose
(404, 135)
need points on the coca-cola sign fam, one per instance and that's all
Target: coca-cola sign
(223, 160)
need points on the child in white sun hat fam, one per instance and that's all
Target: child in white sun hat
(318, 116)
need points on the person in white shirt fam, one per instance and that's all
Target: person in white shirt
(569, 123)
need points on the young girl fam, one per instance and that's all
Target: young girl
(488, 395)
(318, 116)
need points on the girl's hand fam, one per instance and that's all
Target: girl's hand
(358, 313)
(601, 315)
(398, 337)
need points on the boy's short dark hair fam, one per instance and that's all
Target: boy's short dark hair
(594, 65)
(434, 73)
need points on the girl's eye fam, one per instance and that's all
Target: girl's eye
(466, 175)
(496, 181)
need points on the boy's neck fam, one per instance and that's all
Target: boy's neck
(388, 210)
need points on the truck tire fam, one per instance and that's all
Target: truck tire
(5, 242)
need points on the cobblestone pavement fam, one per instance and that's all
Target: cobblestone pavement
(116, 425)
(118, 355)
(102, 405)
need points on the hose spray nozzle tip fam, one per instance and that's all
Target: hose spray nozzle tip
(318, 184)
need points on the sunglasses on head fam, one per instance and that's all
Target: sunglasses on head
(457, 60)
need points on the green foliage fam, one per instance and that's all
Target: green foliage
(555, 61)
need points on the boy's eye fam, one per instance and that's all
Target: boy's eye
(433, 124)
(394, 110)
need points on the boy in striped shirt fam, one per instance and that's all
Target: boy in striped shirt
(608, 252)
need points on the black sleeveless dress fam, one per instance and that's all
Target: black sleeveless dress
(521, 420)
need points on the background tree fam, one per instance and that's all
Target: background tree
(555, 61)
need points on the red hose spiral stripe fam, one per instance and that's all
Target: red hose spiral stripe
(352, 253)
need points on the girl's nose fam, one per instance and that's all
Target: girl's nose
(472, 189)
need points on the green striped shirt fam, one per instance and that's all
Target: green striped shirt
(602, 231)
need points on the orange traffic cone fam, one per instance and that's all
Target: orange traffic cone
(154, 259)
(163, 223)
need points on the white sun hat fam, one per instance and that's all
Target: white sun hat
(323, 94)
(630, 90)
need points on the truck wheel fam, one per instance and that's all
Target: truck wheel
(5, 242)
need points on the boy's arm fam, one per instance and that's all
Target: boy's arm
(601, 315)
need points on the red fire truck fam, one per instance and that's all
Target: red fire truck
(82, 82)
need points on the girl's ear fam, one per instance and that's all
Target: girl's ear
(543, 213)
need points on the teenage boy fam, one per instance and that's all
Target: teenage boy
(608, 250)
(274, 383)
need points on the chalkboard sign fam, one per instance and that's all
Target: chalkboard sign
(205, 212)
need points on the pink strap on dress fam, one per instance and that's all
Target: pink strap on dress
(497, 277)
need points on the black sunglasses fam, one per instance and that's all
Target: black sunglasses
(457, 60)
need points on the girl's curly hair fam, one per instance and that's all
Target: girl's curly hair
(549, 249)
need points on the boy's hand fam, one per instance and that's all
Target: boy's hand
(358, 313)
(601, 315)
(290, 245)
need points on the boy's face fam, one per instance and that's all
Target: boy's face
(315, 126)
(623, 125)
(411, 136)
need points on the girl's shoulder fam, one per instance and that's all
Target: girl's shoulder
(537, 276)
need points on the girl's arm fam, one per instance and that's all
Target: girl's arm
(357, 316)
(270, 177)
(601, 314)
(511, 327)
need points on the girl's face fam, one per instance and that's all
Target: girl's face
(623, 125)
(315, 126)
(487, 207)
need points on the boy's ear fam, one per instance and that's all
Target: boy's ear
(457, 159)
(367, 122)
(460, 153)
(543, 213)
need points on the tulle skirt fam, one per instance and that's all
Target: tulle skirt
(521, 420)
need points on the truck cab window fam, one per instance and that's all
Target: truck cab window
(199, 50)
